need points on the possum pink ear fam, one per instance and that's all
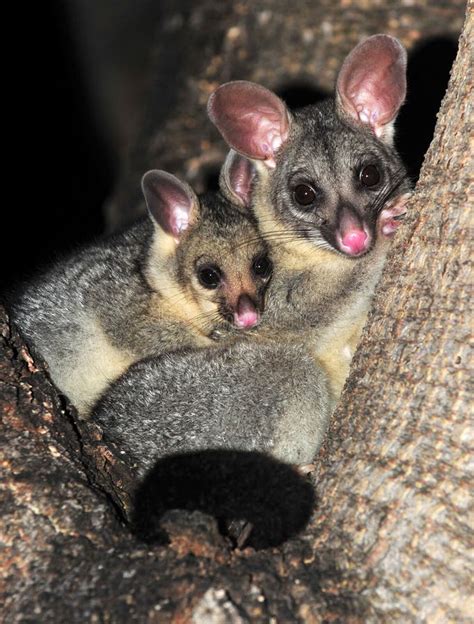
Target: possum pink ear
(371, 85)
(236, 179)
(171, 203)
(252, 119)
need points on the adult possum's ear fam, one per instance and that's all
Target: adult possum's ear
(236, 179)
(252, 119)
(371, 85)
(172, 204)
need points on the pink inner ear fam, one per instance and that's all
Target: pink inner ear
(176, 211)
(239, 174)
(372, 82)
(252, 119)
(169, 201)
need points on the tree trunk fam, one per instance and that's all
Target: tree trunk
(389, 539)
(393, 480)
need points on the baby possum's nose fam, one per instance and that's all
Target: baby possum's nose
(246, 314)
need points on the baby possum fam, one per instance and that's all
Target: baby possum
(191, 274)
(328, 191)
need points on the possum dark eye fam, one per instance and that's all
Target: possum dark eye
(209, 276)
(369, 175)
(262, 267)
(304, 194)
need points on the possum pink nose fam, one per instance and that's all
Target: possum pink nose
(355, 241)
(246, 314)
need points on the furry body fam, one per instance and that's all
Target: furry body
(318, 295)
(289, 373)
(275, 392)
(183, 402)
(93, 315)
(129, 297)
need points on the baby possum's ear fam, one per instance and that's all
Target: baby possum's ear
(371, 85)
(172, 204)
(252, 119)
(236, 179)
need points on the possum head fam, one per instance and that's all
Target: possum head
(329, 171)
(208, 258)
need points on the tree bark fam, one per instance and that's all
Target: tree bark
(393, 480)
(389, 539)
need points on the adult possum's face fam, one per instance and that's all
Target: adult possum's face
(333, 175)
(332, 181)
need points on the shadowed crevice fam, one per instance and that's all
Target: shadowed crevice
(232, 486)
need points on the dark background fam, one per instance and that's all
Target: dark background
(66, 166)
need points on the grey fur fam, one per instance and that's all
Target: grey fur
(99, 311)
(326, 150)
(319, 295)
(275, 394)
(190, 401)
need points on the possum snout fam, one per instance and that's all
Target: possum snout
(246, 314)
(352, 234)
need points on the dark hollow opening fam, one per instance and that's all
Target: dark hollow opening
(234, 487)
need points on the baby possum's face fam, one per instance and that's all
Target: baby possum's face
(224, 265)
(207, 255)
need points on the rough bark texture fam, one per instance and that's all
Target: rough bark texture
(394, 477)
(294, 48)
(389, 538)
